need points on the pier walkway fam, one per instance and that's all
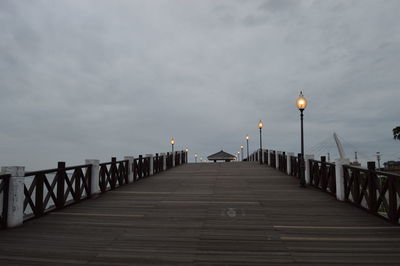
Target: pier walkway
(206, 214)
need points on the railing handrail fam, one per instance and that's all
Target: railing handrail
(48, 171)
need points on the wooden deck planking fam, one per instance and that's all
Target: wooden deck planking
(206, 214)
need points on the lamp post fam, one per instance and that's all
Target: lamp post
(247, 141)
(238, 156)
(172, 144)
(260, 126)
(187, 153)
(301, 105)
(241, 150)
(195, 157)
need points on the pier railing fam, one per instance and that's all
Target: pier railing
(113, 174)
(323, 175)
(4, 184)
(50, 189)
(374, 191)
(46, 190)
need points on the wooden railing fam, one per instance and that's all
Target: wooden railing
(141, 168)
(265, 157)
(169, 160)
(295, 166)
(51, 189)
(282, 162)
(113, 174)
(273, 159)
(55, 188)
(375, 191)
(4, 185)
(158, 164)
(322, 175)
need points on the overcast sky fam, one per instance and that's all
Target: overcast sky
(94, 79)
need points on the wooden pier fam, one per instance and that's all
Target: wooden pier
(206, 214)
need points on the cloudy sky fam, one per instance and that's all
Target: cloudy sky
(94, 79)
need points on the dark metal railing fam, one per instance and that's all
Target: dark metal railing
(55, 188)
(375, 191)
(4, 185)
(323, 175)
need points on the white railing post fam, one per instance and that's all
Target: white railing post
(340, 178)
(94, 178)
(150, 156)
(164, 158)
(289, 162)
(130, 168)
(307, 159)
(15, 214)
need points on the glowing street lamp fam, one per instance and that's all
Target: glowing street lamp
(172, 144)
(195, 157)
(241, 150)
(301, 105)
(238, 156)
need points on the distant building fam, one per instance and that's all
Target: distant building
(221, 156)
(392, 166)
(355, 164)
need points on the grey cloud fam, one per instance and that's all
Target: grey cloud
(98, 79)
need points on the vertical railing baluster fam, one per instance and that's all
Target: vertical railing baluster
(140, 166)
(112, 172)
(60, 185)
(39, 208)
(78, 175)
(372, 179)
(392, 212)
(356, 185)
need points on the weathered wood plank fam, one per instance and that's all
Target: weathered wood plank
(206, 214)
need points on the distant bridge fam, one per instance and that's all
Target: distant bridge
(243, 213)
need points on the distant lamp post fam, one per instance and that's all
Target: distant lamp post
(172, 144)
(187, 152)
(260, 126)
(238, 156)
(201, 159)
(195, 157)
(302, 104)
(247, 141)
(241, 150)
